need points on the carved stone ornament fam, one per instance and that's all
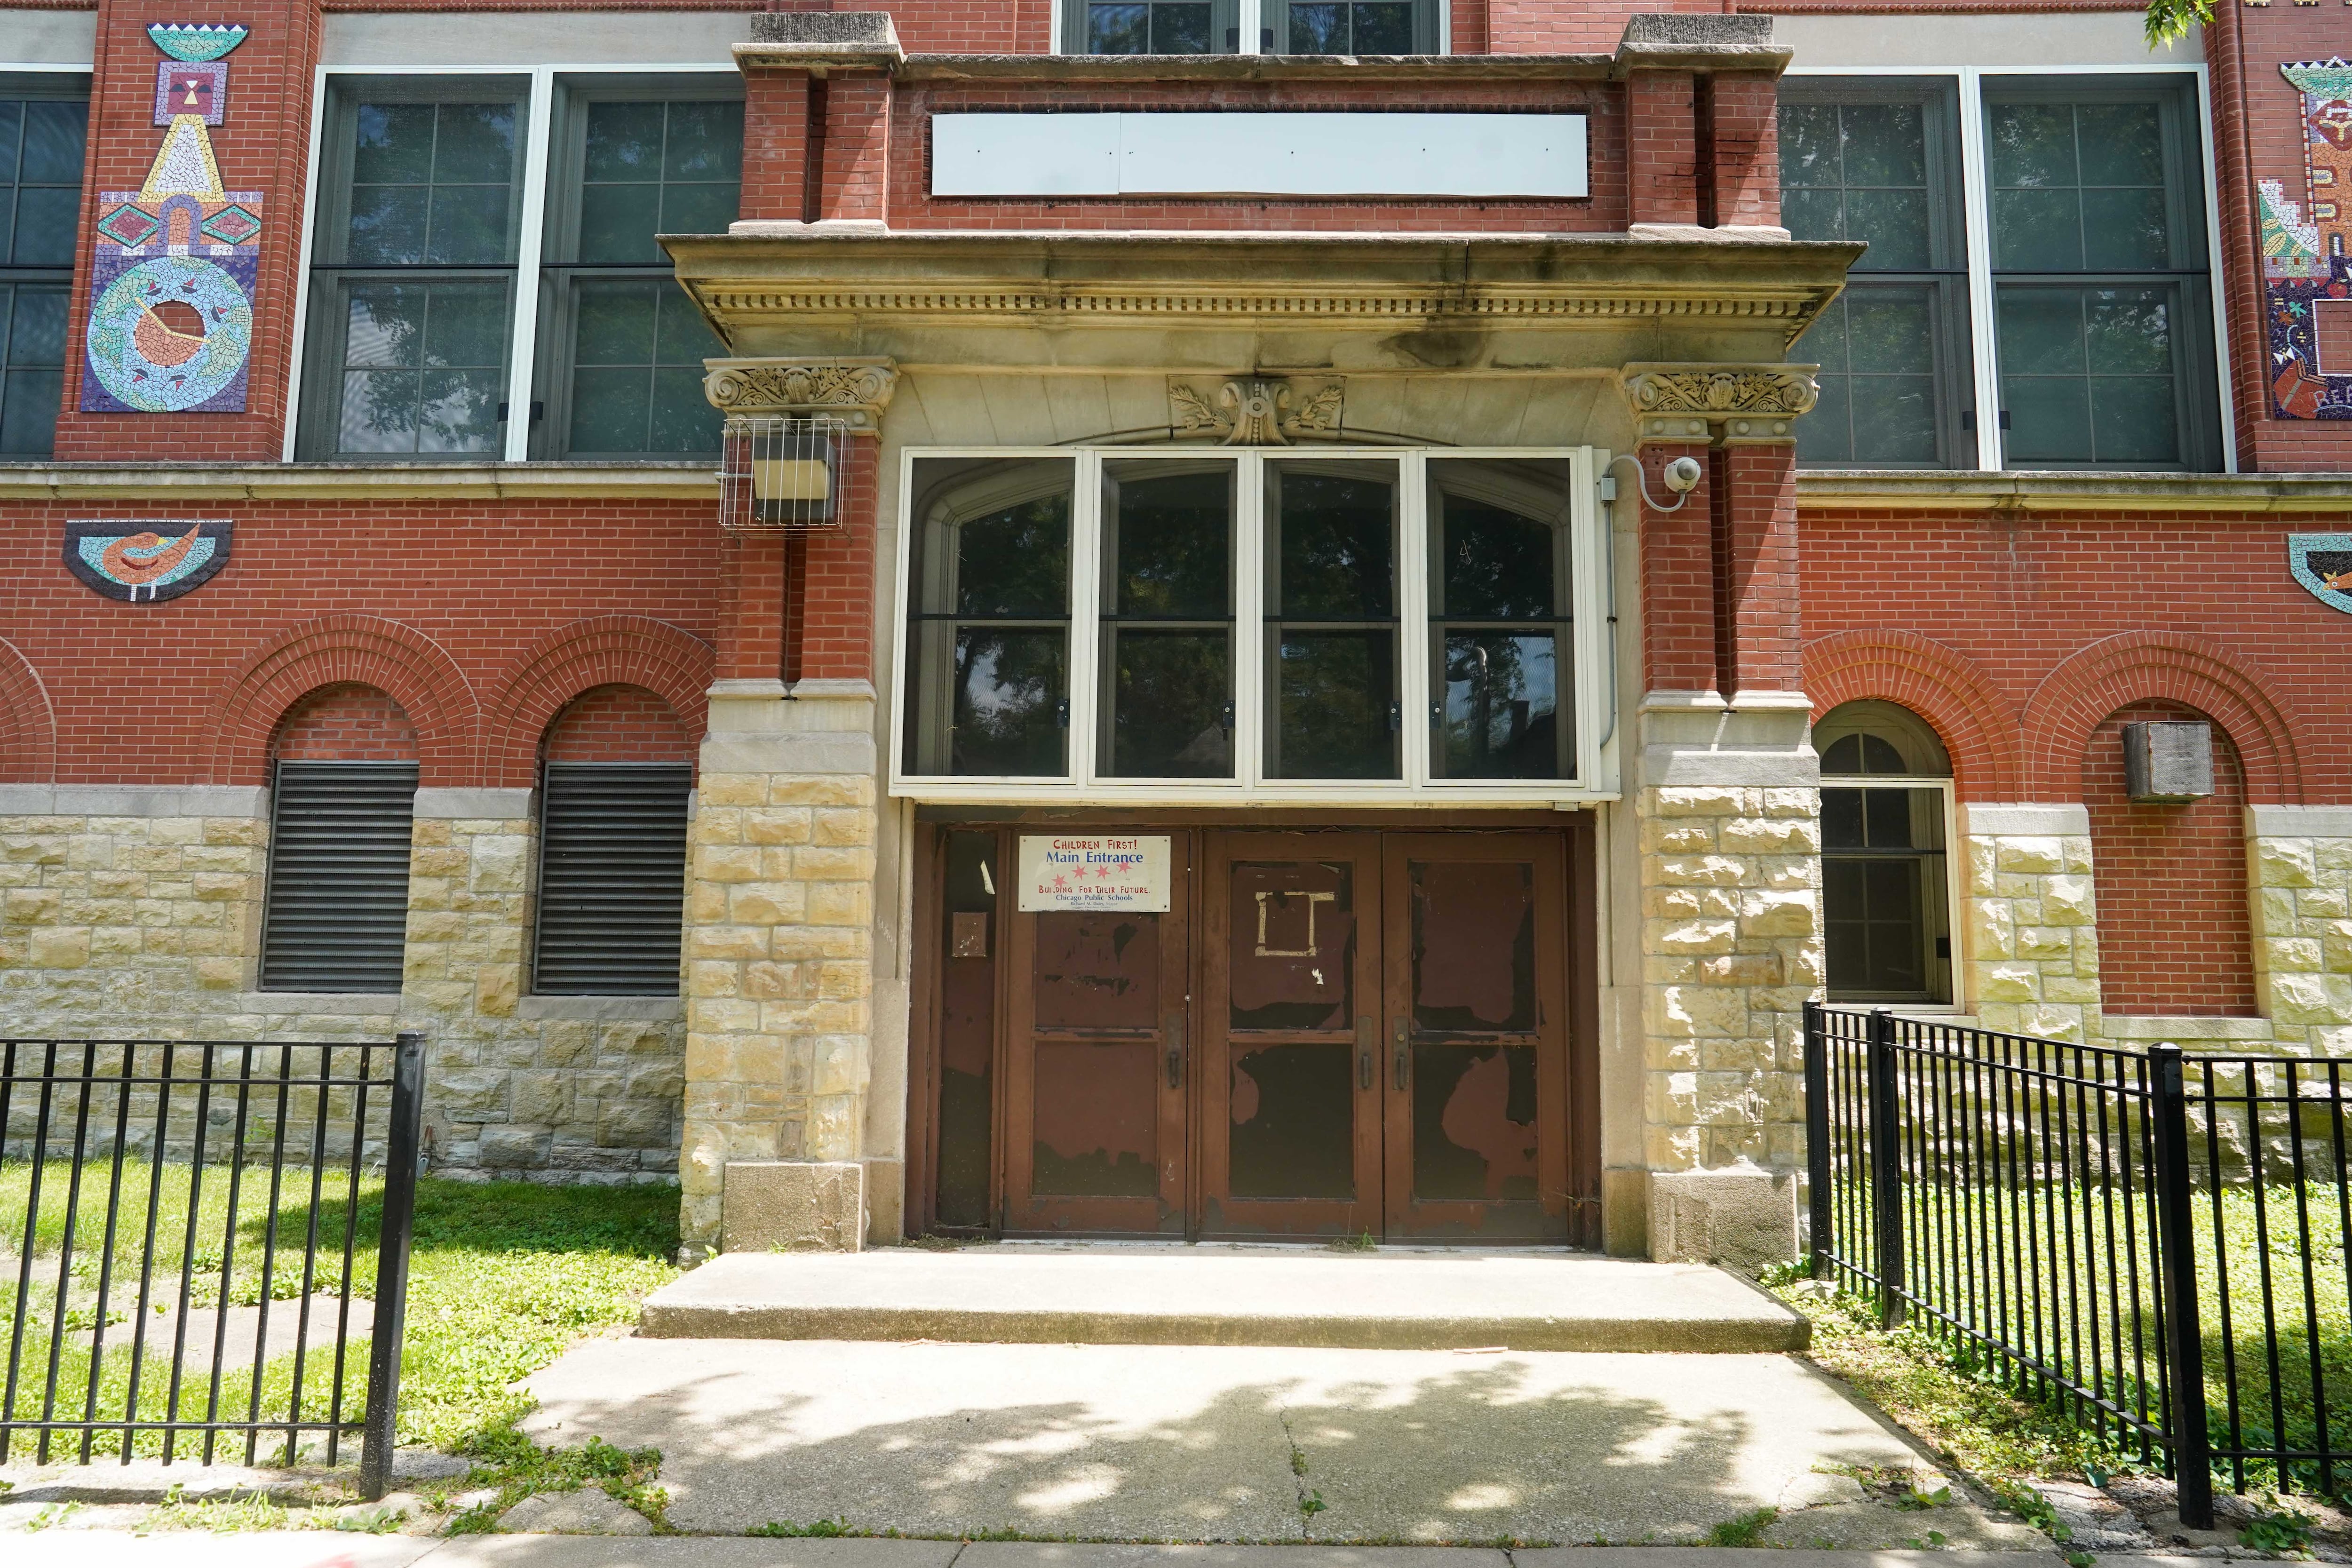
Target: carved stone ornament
(856, 390)
(1258, 411)
(1755, 401)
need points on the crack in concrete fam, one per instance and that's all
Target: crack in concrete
(1298, 1472)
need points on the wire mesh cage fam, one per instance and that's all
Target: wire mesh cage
(782, 472)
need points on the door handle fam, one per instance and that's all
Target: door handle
(1367, 1026)
(1403, 1057)
(1175, 1050)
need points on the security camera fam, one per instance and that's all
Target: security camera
(1682, 475)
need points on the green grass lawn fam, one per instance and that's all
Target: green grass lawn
(503, 1277)
(2087, 1267)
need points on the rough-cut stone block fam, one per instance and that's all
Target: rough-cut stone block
(1744, 1217)
(794, 1206)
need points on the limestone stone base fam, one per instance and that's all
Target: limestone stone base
(794, 1205)
(1741, 1217)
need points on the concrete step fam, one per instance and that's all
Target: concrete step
(1149, 1294)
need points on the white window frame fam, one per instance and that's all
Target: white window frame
(1591, 634)
(523, 321)
(1978, 237)
(1250, 19)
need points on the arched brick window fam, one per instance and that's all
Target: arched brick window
(2174, 927)
(616, 766)
(1885, 881)
(343, 765)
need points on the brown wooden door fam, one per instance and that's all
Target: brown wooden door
(1289, 1025)
(1475, 995)
(1095, 1066)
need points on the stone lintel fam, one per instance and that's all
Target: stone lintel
(133, 800)
(474, 804)
(2055, 819)
(821, 41)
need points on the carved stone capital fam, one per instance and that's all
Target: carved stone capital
(1698, 401)
(855, 391)
(1255, 411)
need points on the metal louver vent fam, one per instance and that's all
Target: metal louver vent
(338, 913)
(612, 878)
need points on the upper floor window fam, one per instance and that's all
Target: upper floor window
(2073, 328)
(1175, 623)
(43, 124)
(411, 291)
(444, 325)
(1224, 27)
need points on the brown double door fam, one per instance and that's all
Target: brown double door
(1326, 1034)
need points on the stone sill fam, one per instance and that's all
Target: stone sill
(1942, 490)
(331, 481)
(2182, 1031)
(603, 1009)
(281, 1004)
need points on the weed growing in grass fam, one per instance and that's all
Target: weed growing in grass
(221, 1516)
(1310, 1505)
(1743, 1531)
(2273, 1534)
(518, 1467)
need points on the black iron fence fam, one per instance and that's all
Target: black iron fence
(208, 1238)
(2153, 1241)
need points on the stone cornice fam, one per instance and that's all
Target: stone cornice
(784, 275)
(213, 483)
(1859, 490)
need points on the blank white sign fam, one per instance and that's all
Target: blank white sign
(1317, 155)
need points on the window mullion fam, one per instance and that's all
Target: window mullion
(1086, 609)
(1250, 18)
(1415, 651)
(523, 343)
(1978, 231)
(1249, 620)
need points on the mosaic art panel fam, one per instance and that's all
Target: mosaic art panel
(2306, 244)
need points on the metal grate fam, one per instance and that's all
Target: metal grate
(611, 880)
(780, 473)
(338, 912)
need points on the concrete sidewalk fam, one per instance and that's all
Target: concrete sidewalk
(1248, 1444)
(91, 1549)
(1141, 1293)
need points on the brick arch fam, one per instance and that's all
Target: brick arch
(2132, 667)
(335, 650)
(1939, 683)
(28, 725)
(606, 650)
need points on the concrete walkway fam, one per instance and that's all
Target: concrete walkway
(1247, 1444)
(1128, 1293)
(92, 1549)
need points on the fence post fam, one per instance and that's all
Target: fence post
(2184, 1340)
(402, 1142)
(1817, 1141)
(1887, 1168)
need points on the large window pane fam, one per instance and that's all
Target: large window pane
(41, 147)
(637, 387)
(433, 183)
(2088, 374)
(1333, 708)
(1356, 27)
(1499, 581)
(424, 367)
(1167, 607)
(988, 649)
(32, 367)
(1877, 345)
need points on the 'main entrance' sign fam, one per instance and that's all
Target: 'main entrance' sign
(1068, 872)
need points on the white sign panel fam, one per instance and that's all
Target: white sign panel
(1242, 153)
(1070, 871)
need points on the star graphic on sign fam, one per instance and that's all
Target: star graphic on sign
(1061, 883)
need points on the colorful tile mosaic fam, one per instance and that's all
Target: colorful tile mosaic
(172, 279)
(145, 562)
(200, 90)
(2307, 254)
(194, 42)
(2323, 563)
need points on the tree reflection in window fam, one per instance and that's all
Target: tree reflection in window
(1499, 614)
(988, 679)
